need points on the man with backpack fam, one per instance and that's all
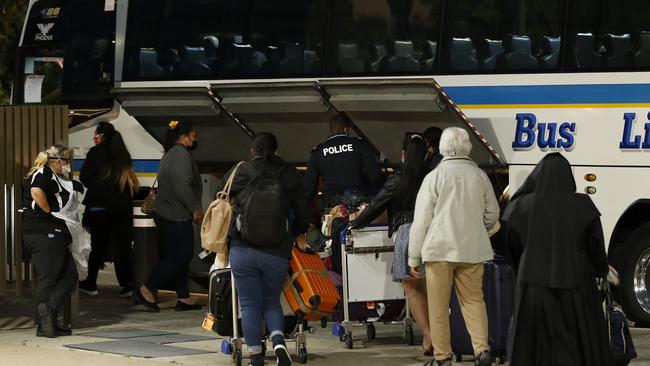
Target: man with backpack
(270, 212)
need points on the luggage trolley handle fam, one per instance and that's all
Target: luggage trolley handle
(343, 238)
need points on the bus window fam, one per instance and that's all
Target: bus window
(89, 54)
(502, 36)
(263, 39)
(174, 39)
(605, 35)
(42, 80)
(384, 37)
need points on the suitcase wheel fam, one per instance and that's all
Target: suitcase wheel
(457, 357)
(409, 336)
(371, 332)
(226, 347)
(237, 357)
(302, 354)
(323, 323)
(348, 340)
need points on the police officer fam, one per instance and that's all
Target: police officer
(343, 162)
(432, 138)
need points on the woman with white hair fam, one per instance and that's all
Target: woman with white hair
(454, 209)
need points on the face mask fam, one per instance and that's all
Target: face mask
(192, 147)
(67, 171)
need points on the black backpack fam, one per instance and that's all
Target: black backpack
(263, 216)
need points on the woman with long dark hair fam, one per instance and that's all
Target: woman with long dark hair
(178, 204)
(398, 197)
(109, 176)
(260, 270)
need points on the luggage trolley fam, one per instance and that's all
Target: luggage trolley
(369, 293)
(234, 345)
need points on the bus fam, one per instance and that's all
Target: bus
(525, 77)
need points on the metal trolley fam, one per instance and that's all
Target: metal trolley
(367, 258)
(234, 345)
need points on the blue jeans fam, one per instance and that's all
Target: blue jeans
(259, 278)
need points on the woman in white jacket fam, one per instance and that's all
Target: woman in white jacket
(454, 209)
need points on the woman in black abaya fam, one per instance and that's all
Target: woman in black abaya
(556, 243)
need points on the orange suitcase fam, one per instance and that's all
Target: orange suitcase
(309, 290)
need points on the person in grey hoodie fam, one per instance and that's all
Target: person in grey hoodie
(177, 205)
(454, 209)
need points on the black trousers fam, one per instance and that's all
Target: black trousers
(56, 274)
(111, 238)
(177, 244)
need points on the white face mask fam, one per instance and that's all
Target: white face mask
(67, 171)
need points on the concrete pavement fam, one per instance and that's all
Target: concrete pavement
(20, 347)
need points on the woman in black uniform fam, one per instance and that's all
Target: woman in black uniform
(46, 237)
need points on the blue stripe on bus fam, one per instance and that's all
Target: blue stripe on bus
(140, 166)
(550, 94)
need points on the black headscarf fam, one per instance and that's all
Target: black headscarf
(549, 216)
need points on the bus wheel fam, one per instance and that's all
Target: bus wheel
(634, 293)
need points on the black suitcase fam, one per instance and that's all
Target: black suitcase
(220, 302)
(498, 291)
(220, 305)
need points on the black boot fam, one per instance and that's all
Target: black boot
(45, 321)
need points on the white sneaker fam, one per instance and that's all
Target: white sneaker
(283, 357)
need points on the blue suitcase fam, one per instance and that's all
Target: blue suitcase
(498, 291)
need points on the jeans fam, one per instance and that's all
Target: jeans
(259, 278)
(177, 242)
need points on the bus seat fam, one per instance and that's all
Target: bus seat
(294, 59)
(550, 53)
(402, 58)
(378, 53)
(641, 55)
(581, 52)
(192, 64)
(617, 51)
(249, 61)
(428, 60)
(149, 67)
(349, 62)
(490, 51)
(312, 62)
(462, 55)
(273, 59)
(211, 46)
(517, 55)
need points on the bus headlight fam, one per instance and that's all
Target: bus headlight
(590, 189)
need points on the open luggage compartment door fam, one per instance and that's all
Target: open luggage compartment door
(386, 109)
(222, 140)
(295, 112)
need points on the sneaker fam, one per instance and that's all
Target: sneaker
(126, 292)
(282, 355)
(88, 289)
(483, 359)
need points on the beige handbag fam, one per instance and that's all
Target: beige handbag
(216, 223)
(147, 206)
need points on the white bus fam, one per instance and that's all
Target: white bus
(526, 77)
